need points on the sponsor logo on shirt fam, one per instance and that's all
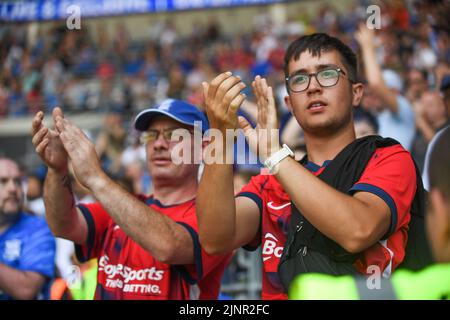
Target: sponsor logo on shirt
(277, 207)
(12, 249)
(270, 247)
(123, 277)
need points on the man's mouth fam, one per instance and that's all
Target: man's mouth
(316, 106)
(161, 160)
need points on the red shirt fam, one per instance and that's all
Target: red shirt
(127, 271)
(390, 174)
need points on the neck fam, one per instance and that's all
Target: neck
(170, 193)
(6, 220)
(327, 147)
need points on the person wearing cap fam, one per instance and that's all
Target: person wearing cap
(147, 246)
(394, 112)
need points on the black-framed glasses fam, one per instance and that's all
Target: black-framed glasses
(299, 82)
(151, 135)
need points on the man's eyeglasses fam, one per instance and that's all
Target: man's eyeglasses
(326, 78)
(151, 135)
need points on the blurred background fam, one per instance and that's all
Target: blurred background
(129, 55)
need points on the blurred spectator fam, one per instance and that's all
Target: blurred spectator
(35, 99)
(445, 90)
(82, 73)
(34, 193)
(416, 84)
(140, 92)
(4, 97)
(52, 77)
(435, 13)
(111, 143)
(430, 116)
(365, 123)
(109, 96)
(168, 35)
(394, 112)
(27, 247)
(176, 83)
(133, 161)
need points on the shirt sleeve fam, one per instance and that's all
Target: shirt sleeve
(97, 220)
(391, 175)
(204, 263)
(254, 191)
(38, 253)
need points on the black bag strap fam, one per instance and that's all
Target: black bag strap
(342, 173)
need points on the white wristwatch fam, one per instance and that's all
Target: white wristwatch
(276, 158)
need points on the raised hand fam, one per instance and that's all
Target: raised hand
(223, 98)
(81, 151)
(365, 37)
(47, 142)
(264, 138)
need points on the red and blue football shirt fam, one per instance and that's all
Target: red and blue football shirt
(390, 174)
(127, 271)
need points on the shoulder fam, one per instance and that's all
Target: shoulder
(31, 222)
(391, 168)
(396, 156)
(32, 229)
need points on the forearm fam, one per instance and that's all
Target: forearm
(375, 79)
(216, 209)
(61, 213)
(156, 233)
(335, 214)
(372, 69)
(18, 284)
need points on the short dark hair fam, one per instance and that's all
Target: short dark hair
(439, 170)
(316, 44)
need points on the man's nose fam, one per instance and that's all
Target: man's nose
(160, 142)
(314, 86)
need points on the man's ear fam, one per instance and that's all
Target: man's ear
(287, 101)
(357, 90)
